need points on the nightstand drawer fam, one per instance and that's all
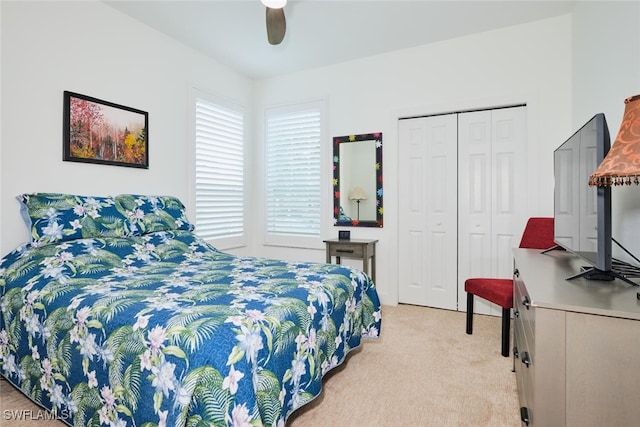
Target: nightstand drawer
(354, 249)
(346, 250)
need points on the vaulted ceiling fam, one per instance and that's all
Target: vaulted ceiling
(321, 32)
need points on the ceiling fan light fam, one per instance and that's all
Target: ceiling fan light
(274, 4)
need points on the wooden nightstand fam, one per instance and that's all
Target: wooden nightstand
(353, 249)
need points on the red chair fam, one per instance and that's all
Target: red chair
(538, 234)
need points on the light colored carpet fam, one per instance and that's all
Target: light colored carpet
(423, 371)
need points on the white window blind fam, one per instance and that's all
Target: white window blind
(293, 136)
(219, 170)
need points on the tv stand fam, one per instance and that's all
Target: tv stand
(619, 269)
(592, 273)
(553, 248)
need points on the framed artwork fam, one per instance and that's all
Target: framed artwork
(97, 131)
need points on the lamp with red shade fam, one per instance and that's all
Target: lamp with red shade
(621, 166)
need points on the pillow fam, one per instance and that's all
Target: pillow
(147, 214)
(55, 217)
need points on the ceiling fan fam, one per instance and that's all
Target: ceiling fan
(276, 23)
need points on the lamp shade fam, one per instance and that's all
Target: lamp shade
(357, 194)
(621, 165)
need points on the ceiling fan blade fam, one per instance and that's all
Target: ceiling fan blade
(276, 25)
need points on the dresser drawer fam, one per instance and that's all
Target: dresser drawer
(523, 311)
(524, 349)
(524, 368)
(346, 250)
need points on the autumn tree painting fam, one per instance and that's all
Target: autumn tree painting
(102, 132)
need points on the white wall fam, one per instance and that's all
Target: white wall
(606, 71)
(92, 49)
(524, 64)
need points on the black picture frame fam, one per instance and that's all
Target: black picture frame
(102, 132)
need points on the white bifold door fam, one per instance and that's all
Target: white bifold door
(428, 211)
(462, 203)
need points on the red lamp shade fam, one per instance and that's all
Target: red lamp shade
(622, 164)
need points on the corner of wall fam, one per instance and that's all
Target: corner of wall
(1, 119)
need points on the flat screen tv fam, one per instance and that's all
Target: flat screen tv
(582, 214)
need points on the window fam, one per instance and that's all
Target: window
(293, 174)
(219, 171)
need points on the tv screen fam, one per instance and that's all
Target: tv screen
(582, 214)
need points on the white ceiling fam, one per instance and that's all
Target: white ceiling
(324, 32)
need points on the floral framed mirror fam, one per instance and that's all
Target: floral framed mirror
(357, 180)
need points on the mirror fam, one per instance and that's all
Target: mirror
(357, 180)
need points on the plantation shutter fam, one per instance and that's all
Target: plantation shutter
(219, 170)
(293, 136)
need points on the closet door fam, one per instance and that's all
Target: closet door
(492, 169)
(428, 211)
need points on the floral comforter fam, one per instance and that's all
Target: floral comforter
(163, 329)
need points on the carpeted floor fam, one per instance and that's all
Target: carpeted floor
(423, 371)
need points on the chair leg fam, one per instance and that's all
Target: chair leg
(469, 313)
(506, 326)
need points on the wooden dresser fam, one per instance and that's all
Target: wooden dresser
(576, 344)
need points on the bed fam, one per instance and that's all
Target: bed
(117, 313)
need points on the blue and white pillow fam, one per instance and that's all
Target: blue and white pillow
(56, 217)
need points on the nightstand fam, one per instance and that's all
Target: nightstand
(353, 249)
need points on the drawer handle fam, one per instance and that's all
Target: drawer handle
(516, 313)
(345, 251)
(524, 415)
(516, 272)
(526, 359)
(515, 352)
(526, 302)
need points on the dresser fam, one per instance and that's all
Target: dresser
(353, 249)
(576, 344)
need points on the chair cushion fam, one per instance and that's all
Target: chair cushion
(498, 291)
(538, 233)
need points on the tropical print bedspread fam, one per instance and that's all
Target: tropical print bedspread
(160, 328)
